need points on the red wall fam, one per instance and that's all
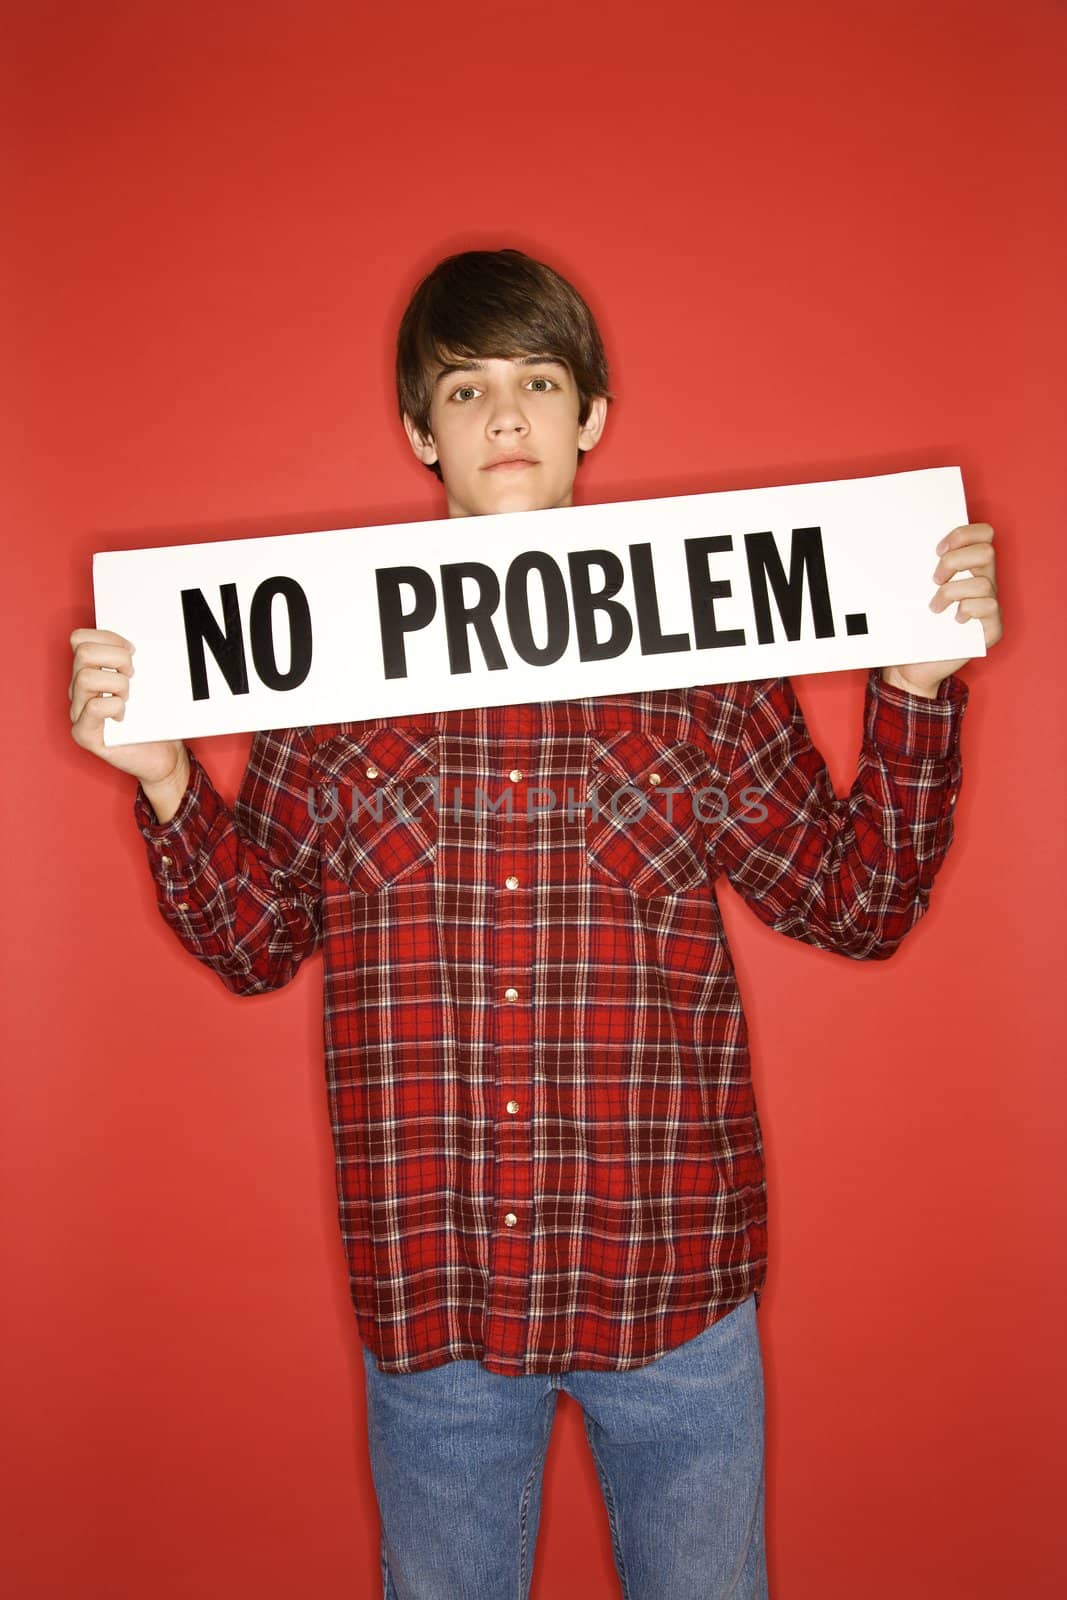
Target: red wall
(824, 240)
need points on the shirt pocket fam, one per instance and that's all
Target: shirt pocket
(377, 806)
(642, 829)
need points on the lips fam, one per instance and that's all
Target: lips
(509, 464)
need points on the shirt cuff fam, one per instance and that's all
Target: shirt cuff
(911, 724)
(176, 848)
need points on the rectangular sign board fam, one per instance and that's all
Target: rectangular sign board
(308, 628)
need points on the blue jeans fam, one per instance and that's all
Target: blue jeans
(457, 1455)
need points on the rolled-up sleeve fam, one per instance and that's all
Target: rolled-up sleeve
(850, 874)
(242, 889)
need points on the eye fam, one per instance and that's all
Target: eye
(466, 388)
(541, 379)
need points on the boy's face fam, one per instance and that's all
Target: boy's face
(522, 410)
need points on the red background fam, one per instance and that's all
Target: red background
(822, 240)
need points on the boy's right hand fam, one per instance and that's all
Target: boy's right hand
(99, 686)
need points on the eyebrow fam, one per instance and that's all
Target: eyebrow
(448, 367)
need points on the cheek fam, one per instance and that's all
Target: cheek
(565, 424)
(564, 442)
(456, 447)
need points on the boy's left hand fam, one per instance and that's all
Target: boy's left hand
(967, 548)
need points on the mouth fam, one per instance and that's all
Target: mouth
(513, 464)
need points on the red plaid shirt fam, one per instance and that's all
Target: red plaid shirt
(548, 1153)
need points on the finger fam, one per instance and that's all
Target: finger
(988, 613)
(90, 682)
(966, 533)
(93, 653)
(969, 557)
(981, 607)
(99, 636)
(960, 589)
(115, 657)
(102, 680)
(87, 729)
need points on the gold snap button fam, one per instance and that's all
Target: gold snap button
(513, 1106)
(515, 775)
(512, 882)
(511, 994)
(510, 1220)
(654, 777)
(372, 772)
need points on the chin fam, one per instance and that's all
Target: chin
(532, 492)
(517, 500)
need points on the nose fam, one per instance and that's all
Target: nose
(507, 416)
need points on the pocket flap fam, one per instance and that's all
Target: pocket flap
(380, 821)
(382, 756)
(642, 833)
(646, 763)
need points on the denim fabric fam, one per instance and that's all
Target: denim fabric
(457, 1455)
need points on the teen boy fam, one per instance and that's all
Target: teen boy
(549, 1163)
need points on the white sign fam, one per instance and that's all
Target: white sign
(310, 628)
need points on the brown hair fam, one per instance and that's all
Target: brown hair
(494, 303)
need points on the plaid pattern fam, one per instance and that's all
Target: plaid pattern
(548, 1153)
